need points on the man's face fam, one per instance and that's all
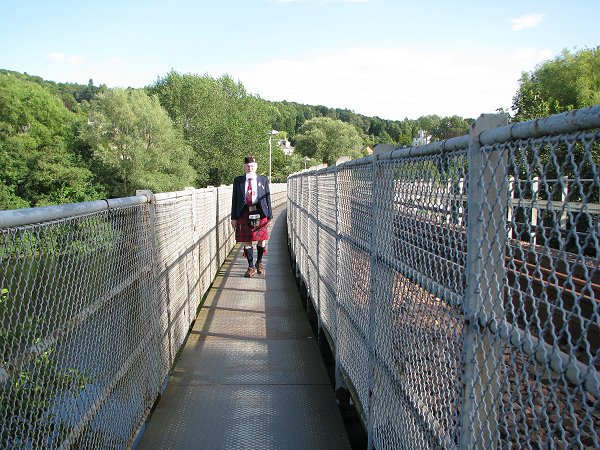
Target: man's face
(250, 167)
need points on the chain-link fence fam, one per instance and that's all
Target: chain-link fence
(459, 284)
(96, 300)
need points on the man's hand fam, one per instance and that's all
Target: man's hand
(233, 223)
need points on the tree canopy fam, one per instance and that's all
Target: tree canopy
(569, 81)
(132, 135)
(326, 139)
(37, 148)
(220, 121)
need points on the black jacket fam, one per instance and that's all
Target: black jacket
(263, 198)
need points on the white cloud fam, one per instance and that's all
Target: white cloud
(524, 22)
(61, 57)
(56, 56)
(394, 83)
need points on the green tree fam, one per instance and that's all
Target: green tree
(326, 139)
(286, 118)
(133, 136)
(377, 126)
(71, 94)
(219, 120)
(428, 124)
(39, 164)
(449, 127)
(279, 164)
(407, 132)
(569, 81)
(295, 163)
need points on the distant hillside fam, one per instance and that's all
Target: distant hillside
(291, 115)
(72, 94)
(398, 132)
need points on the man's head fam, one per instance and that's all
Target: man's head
(250, 164)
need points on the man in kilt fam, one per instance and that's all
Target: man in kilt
(251, 214)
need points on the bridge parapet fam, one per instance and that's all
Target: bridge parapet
(459, 282)
(96, 300)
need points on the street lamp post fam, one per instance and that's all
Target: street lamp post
(271, 133)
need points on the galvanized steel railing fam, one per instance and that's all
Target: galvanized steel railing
(96, 300)
(459, 283)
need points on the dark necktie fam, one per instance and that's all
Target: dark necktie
(249, 192)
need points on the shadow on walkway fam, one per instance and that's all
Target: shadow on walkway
(250, 375)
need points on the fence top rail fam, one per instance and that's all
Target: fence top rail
(29, 216)
(171, 195)
(579, 119)
(448, 145)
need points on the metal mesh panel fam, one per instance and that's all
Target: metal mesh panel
(327, 280)
(327, 252)
(225, 237)
(539, 311)
(210, 257)
(354, 276)
(293, 215)
(96, 299)
(312, 278)
(467, 284)
(304, 218)
(76, 314)
(173, 233)
(278, 194)
(419, 279)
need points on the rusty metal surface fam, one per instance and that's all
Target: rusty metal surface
(250, 375)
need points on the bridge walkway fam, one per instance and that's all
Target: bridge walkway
(250, 375)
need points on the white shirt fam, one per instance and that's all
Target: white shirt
(252, 179)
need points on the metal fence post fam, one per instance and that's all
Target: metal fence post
(303, 231)
(191, 298)
(373, 301)
(299, 228)
(218, 240)
(309, 219)
(152, 297)
(486, 242)
(318, 265)
(461, 191)
(298, 223)
(339, 379)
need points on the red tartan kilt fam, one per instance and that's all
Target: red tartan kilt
(245, 233)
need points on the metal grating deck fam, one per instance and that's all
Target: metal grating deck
(250, 375)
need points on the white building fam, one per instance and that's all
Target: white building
(421, 139)
(286, 146)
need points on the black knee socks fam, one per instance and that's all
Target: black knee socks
(261, 252)
(249, 252)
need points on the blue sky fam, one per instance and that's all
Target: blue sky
(388, 58)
